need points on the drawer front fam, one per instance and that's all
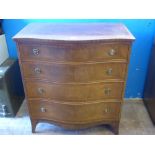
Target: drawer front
(75, 73)
(74, 113)
(75, 92)
(74, 52)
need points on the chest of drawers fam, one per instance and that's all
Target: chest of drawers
(74, 74)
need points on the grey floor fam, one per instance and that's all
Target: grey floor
(134, 121)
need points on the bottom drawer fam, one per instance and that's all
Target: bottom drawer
(74, 113)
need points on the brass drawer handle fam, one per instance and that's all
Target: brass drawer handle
(35, 51)
(37, 70)
(42, 109)
(41, 91)
(112, 52)
(107, 91)
(109, 71)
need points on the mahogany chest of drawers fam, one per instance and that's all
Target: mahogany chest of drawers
(74, 74)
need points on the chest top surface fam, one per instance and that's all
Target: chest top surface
(74, 32)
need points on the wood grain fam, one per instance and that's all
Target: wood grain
(75, 52)
(64, 73)
(75, 92)
(74, 113)
(74, 75)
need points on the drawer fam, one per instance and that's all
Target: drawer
(75, 92)
(75, 72)
(43, 109)
(75, 52)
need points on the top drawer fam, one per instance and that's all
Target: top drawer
(76, 52)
